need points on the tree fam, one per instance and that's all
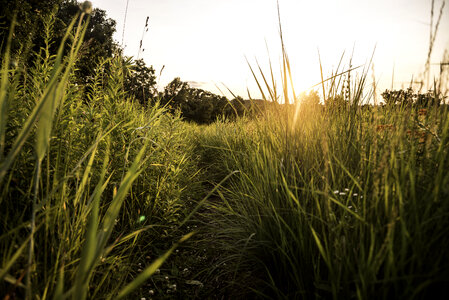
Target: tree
(28, 39)
(98, 40)
(172, 90)
(29, 16)
(401, 97)
(196, 105)
(311, 99)
(409, 98)
(140, 82)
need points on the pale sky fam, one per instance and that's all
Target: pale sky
(204, 42)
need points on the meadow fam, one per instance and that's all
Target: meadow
(111, 199)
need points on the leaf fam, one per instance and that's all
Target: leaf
(12, 280)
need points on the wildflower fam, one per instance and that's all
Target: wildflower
(342, 193)
(336, 191)
(151, 292)
(355, 195)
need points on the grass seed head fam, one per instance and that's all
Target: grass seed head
(86, 7)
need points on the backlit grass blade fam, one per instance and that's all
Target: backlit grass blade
(86, 174)
(272, 95)
(88, 257)
(56, 91)
(4, 85)
(114, 207)
(257, 80)
(42, 104)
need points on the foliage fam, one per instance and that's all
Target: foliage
(29, 16)
(194, 104)
(309, 99)
(140, 82)
(409, 98)
(98, 42)
(28, 41)
(303, 200)
(86, 188)
(357, 206)
(345, 202)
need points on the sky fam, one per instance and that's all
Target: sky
(208, 42)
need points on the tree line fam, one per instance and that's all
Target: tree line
(194, 104)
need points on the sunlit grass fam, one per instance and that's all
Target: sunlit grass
(340, 200)
(305, 197)
(336, 205)
(68, 167)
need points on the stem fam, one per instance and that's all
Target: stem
(33, 228)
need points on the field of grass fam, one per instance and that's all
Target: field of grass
(106, 199)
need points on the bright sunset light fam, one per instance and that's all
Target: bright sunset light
(205, 42)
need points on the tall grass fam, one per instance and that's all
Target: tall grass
(67, 167)
(340, 200)
(303, 200)
(335, 209)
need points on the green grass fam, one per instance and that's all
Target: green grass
(85, 187)
(301, 201)
(334, 209)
